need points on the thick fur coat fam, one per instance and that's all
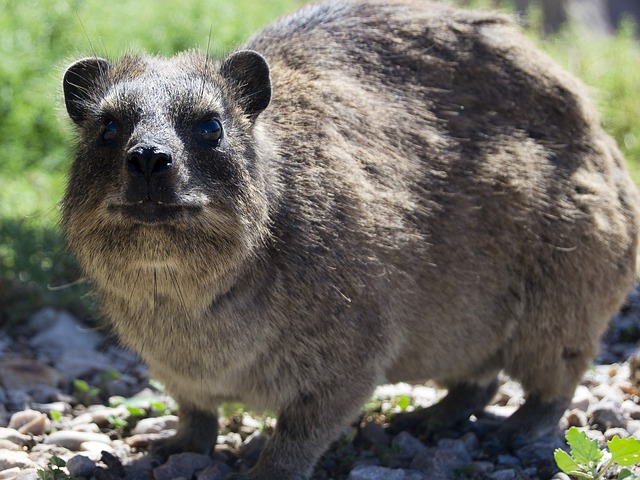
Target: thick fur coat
(385, 191)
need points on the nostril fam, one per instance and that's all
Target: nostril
(148, 161)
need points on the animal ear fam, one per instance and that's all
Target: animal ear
(248, 71)
(79, 83)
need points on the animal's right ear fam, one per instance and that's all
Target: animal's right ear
(79, 82)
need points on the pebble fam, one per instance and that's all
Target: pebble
(30, 422)
(81, 466)
(437, 463)
(407, 446)
(15, 459)
(72, 439)
(14, 436)
(382, 473)
(24, 374)
(155, 424)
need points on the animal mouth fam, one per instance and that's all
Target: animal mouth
(152, 212)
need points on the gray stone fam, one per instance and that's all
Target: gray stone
(374, 434)
(14, 436)
(507, 474)
(607, 414)
(508, 460)
(376, 473)
(30, 422)
(182, 465)
(15, 459)
(60, 332)
(437, 463)
(72, 439)
(408, 446)
(217, 471)
(456, 446)
(81, 466)
(155, 425)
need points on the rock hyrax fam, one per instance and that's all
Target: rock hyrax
(367, 192)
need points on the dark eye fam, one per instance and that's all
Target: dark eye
(210, 130)
(110, 131)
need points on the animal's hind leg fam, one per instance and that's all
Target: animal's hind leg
(462, 400)
(535, 419)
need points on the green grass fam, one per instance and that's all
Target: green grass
(39, 37)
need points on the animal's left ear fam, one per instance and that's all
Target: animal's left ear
(248, 72)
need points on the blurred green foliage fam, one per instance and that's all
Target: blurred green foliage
(39, 37)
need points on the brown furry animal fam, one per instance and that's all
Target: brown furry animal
(385, 192)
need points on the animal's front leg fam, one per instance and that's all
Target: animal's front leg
(304, 430)
(197, 432)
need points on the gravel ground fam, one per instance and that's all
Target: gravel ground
(70, 392)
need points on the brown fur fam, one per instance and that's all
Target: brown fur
(424, 197)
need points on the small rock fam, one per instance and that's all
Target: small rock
(470, 441)
(576, 418)
(482, 467)
(60, 407)
(607, 414)
(376, 473)
(508, 460)
(142, 441)
(7, 445)
(80, 466)
(182, 464)
(539, 451)
(561, 476)
(582, 398)
(407, 446)
(102, 416)
(632, 409)
(507, 474)
(77, 364)
(374, 434)
(72, 439)
(436, 463)
(60, 332)
(615, 431)
(30, 422)
(456, 446)
(24, 374)
(10, 473)
(95, 448)
(218, 471)
(155, 425)
(14, 436)
(20, 459)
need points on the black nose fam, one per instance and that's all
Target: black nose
(148, 161)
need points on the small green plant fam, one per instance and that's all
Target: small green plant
(84, 392)
(54, 470)
(587, 461)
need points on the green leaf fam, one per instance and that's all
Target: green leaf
(403, 402)
(81, 385)
(583, 450)
(626, 474)
(624, 451)
(55, 415)
(564, 461)
(57, 461)
(136, 411)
